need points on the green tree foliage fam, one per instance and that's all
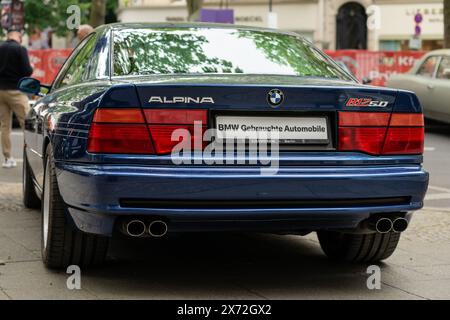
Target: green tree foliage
(53, 13)
(284, 50)
(188, 51)
(164, 52)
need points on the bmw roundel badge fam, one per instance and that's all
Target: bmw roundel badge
(275, 97)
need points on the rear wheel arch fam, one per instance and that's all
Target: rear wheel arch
(30, 196)
(62, 244)
(44, 149)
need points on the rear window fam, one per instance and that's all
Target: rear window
(218, 51)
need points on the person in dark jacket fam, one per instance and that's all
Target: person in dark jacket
(14, 65)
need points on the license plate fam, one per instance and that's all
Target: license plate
(285, 130)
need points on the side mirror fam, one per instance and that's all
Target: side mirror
(366, 80)
(32, 86)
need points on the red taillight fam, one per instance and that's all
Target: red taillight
(167, 137)
(118, 116)
(369, 140)
(404, 141)
(120, 130)
(381, 133)
(164, 122)
(363, 119)
(407, 120)
(170, 116)
(119, 138)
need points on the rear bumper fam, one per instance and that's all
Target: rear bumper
(233, 198)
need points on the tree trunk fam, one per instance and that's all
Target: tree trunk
(98, 13)
(447, 23)
(194, 7)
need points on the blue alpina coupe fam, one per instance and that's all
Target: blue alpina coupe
(99, 160)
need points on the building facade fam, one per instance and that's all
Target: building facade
(331, 24)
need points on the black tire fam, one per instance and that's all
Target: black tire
(64, 245)
(30, 198)
(372, 247)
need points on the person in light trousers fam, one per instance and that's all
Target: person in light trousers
(14, 65)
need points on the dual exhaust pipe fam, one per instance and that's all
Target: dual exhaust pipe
(159, 228)
(385, 225)
(138, 228)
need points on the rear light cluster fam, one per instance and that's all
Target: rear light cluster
(381, 133)
(136, 131)
(133, 131)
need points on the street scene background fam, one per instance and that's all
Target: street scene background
(373, 44)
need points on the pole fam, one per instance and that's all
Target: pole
(270, 5)
(447, 23)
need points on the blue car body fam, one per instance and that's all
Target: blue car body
(313, 190)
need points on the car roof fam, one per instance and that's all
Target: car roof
(439, 52)
(187, 25)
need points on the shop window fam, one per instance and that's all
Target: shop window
(390, 45)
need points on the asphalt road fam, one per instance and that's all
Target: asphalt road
(234, 266)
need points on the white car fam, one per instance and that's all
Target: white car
(430, 80)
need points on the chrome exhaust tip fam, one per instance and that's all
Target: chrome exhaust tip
(157, 228)
(383, 225)
(400, 225)
(135, 228)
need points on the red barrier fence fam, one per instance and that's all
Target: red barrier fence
(46, 63)
(376, 65)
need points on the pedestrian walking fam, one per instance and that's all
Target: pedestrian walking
(14, 65)
(83, 31)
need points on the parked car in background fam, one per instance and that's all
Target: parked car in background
(430, 80)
